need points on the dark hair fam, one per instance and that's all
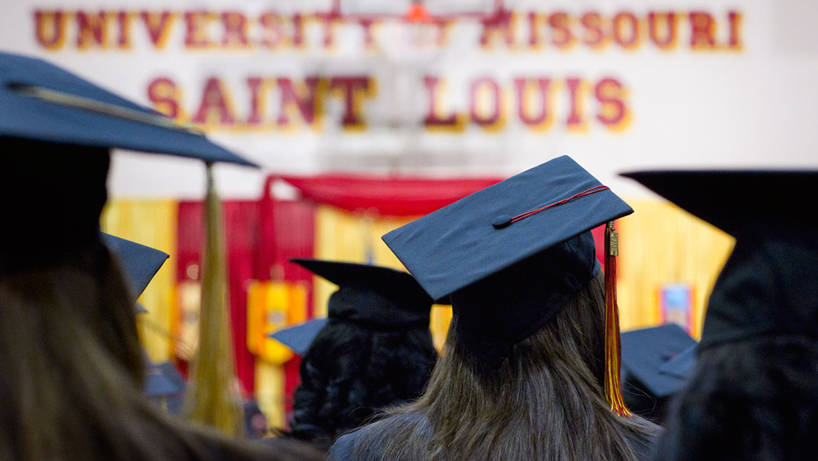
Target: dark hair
(752, 400)
(353, 371)
(71, 373)
(545, 402)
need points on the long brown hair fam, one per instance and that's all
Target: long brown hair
(71, 372)
(546, 402)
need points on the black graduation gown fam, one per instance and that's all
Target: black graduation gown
(344, 447)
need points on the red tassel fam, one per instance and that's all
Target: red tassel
(613, 385)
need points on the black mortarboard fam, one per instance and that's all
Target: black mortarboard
(646, 351)
(139, 262)
(299, 337)
(56, 130)
(374, 296)
(162, 380)
(507, 266)
(682, 364)
(769, 284)
(43, 102)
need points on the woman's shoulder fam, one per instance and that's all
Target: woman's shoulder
(644, 444)
(344, 448)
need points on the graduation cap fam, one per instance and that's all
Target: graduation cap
(162, 380)
(768, 285)
(511, 255)
(682, 364)
(646, 351)
(41, 101)
(298, 338)
(56, 130)
(373, 296)
(139, 262)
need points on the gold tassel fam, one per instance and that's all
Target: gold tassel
(613, 385)
(212, 397)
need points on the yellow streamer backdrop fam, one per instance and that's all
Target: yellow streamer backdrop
(661, 244)
(151, 223)
(345, 236)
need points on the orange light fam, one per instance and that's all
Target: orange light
(417, 13)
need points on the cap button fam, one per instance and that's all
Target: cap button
(501, 221)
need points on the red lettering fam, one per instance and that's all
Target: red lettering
(561, 35)
(329, 23)
(158, 26)
(574, 119)
(214, 105)
(610, 94)
(500, 21)
(308, 103)
(49, 29)
(702, 30)
(366, 24)
(734, 41)
(272, 35)
(256, 86)
(91, 29)
(432, 119)
(626, 30)
(123, 20)
(667, 39)
(542, 84)
(235, 30)
(164, 95)
(594, 34)
(196, 29)
(484, 85)
(533, 30)
(352, 87)
(298, 30)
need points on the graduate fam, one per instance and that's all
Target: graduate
(754, 390)
(530, 368)
(71, 367)
(649, 376)
(373, 351)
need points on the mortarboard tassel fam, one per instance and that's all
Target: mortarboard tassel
(212, 398)
(613, 385)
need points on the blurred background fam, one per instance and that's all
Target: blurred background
(365, 114)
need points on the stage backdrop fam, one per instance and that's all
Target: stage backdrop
(462, 86)
(450, 88)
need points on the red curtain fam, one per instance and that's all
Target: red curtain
(259, 235)
(286, 230)
(390, 195)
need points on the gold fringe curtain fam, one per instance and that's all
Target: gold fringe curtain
(212, 397)
(151, 223)
(660, 244)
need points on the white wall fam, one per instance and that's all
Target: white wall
(756, 107)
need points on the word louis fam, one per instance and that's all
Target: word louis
(537, 102)
(702, 30)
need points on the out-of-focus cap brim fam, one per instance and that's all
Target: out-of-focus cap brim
(388, 282)
(646, 350)
(43, 102)
(163, 379)
(299, 337)
(739, 201)
(139, 262)
(681, 366)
